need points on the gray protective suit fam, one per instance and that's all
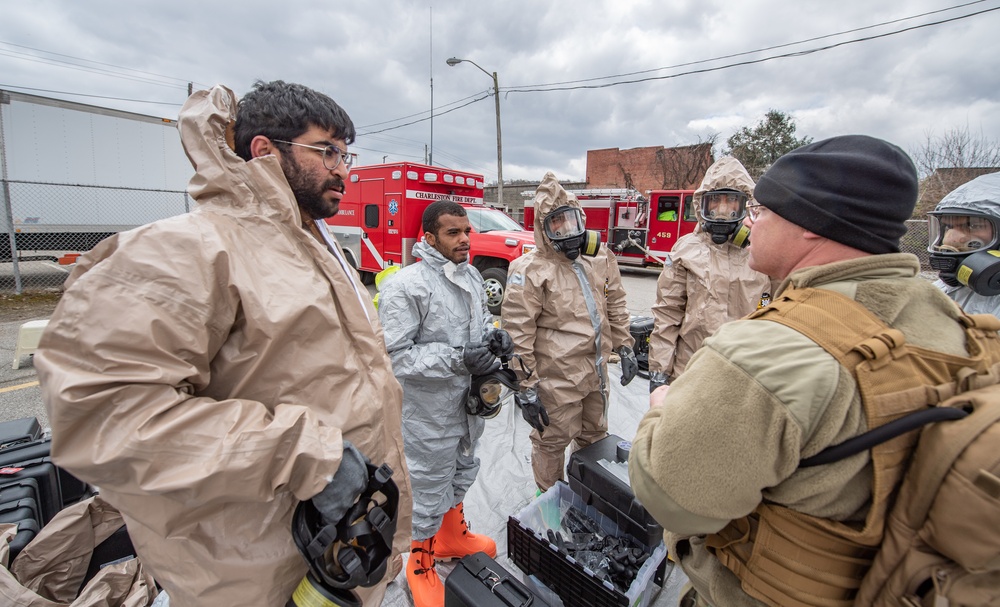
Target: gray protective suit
(705, 284)
(565, 318)
(981, 195)
(429, 311)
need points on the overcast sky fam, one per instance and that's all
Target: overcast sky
(377, 58)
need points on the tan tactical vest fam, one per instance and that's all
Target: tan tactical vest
(787, 558)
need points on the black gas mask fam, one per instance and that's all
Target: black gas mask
(565, 228)
(490, 391)
(963, 249)
(722, 213)
(351, 552)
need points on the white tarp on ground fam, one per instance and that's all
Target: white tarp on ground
(505, 483)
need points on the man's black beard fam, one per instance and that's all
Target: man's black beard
(309, 194)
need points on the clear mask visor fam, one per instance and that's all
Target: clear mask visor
(954, 233)
(723, 205)
(493, 392)
(563, 223)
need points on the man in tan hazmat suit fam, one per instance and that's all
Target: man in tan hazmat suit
(706, 281)
(565, 311)
(210, 370)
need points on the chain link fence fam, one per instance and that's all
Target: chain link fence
(49, 224)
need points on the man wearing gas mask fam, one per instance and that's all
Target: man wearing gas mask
(964, 242)
(440, 336)
(565, 311)
(706, 281)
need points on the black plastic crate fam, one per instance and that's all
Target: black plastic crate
(610, 495)
(576, 585)
(646, 532)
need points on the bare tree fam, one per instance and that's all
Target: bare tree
(947, 161)
(684, 166)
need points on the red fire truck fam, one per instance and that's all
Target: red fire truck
(379, 221)
(640, 230)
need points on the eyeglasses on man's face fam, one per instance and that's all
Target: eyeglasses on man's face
(754, 209)
(332, 156)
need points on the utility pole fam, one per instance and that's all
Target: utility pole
(430, 155)
(452, 62)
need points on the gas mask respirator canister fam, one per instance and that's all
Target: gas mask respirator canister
(963, 249)
(564, 226)
(722, 213)
(351, 552)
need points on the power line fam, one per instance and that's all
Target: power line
(182, 80)
(742, 63)
(28, 88)
(92, 70)
(486, 96)
(538, 88)
(760, 50)
(419, 113)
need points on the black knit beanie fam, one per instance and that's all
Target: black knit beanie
(852, 189)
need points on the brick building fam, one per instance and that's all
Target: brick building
(649, 168)
(643, 169)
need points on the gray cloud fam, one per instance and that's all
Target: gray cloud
(377, 59)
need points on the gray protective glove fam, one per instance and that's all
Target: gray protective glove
(500, 342)
(478, 359)
(630, 366)
(532, 410)
(657, 379)
(348, 482)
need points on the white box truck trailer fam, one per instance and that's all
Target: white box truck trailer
(73, 174)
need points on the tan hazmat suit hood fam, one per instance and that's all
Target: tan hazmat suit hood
(203, 371)
(703, 285)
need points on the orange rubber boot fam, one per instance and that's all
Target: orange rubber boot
(422, 577)
(454, 540)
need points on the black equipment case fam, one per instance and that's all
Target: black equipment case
(641, 327)
(613, 498)
(25, 455)
(15, 432)
(479, 581)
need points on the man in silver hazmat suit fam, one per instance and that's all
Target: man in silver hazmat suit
(965, 233)
(439, 334)
(210, 370)
(565, 310)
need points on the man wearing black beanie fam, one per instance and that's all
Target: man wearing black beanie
(716, 460)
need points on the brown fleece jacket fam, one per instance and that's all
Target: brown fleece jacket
(756, 399)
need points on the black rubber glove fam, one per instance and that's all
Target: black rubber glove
(630, 366)
(348, 482)
(657, 379)
(500, 342)
(532, 410)
(478, 359)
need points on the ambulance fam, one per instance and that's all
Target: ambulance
(380, 220)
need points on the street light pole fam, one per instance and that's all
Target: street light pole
(496, 95)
